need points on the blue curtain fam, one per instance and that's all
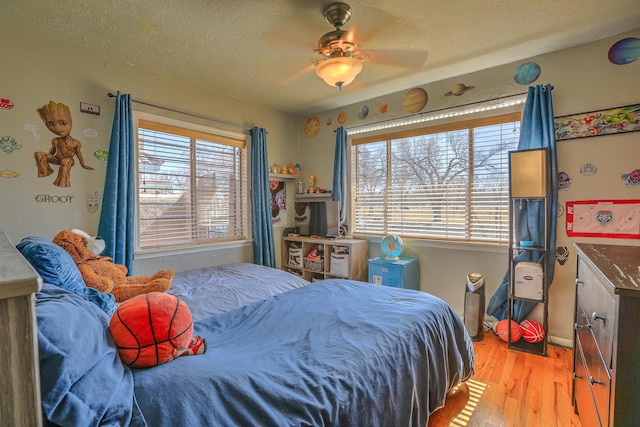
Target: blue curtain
(117, 215)
(340, 173)
(536, 131)
(263, 245)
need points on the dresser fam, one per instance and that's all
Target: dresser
(19, 367)
(606, 385)
(400, 273)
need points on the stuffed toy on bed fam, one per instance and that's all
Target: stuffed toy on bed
(101, 273)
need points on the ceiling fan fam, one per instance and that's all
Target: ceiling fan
(338, 57)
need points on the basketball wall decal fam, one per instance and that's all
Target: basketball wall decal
(502, 330)
(531, 330)
(151, 329)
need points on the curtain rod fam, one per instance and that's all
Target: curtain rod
(422, 113)
(111, 95)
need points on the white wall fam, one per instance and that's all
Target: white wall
(584, 80)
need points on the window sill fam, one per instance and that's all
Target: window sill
(182, 250)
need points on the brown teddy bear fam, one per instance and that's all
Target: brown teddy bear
(101, 273)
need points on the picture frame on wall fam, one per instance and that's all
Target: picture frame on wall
(596, 123)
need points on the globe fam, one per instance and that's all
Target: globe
(391, 246)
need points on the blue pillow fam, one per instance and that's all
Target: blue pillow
(57, 267)
(82, 380)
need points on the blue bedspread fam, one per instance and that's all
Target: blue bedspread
(331, 353)
(215, 290)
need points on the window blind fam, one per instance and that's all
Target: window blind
(192, 186)
(444, 182)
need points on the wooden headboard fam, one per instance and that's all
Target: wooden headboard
(19, 365)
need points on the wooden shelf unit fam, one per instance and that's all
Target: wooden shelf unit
(352, 267)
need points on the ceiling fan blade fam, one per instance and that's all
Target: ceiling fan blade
(291, 78)
(402, 58)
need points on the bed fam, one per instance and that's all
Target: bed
(329, 353)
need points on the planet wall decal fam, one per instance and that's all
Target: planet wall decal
(415, 100)
(625, 51)
(342, 117)
(458, 89)
(527, 73)
(363, 113)
(384, 107)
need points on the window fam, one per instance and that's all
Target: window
(443, 182)
(192, 185)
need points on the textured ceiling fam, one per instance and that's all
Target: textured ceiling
(262, 51)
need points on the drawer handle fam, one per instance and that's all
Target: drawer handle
(579, 282)
(594, 381)
(595, 317)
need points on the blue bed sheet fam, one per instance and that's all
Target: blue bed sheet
(221, 288)
(335, 352)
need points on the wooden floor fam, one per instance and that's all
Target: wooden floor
(517, 389)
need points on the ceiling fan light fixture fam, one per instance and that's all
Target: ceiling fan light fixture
(338, 71)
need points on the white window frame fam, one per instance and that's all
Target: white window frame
(387, 226)
(242, 196)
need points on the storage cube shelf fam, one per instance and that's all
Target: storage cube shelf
(342, 258)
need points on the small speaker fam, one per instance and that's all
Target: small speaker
(528, 171)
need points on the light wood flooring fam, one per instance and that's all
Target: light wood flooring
(517, 389)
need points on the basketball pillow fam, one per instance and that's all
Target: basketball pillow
(151, 329)
(532, 331)
(502, 330)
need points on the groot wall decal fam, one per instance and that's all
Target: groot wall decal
(57, 118)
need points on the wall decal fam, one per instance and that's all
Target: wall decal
(415, 100)
(459, 89)
(329, 121)
(89, 133)
(57, 118)
(312, 127)
(527, 73)
(562, 254)
(560, 210)
(363, 113)
(588, 169)
(30, 127)
(48, 198)
(9, 145)
(342, 117)
(5, 104)
(101, 155)
(604, 218)
(564, 181)
(605, 122)
(93, 201)
(632, 178)
(625, 51)
(9, 174)
(384, 107)
(278, 201)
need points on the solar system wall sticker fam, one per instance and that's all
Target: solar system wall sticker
(57, 118)
(415, 100)
(459, 89)
(527, 73)
(624, 51)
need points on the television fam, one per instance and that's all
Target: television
(317, 217)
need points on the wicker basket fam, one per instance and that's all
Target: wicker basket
(313, 265)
